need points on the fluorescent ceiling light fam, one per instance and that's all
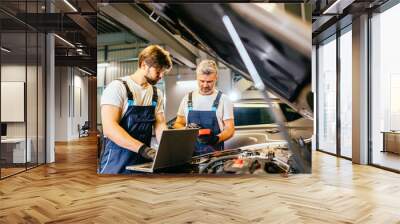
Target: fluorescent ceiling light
(70, 5)
(86, 72)
(5, 49)
(130, 59)
(64, 40)
(258, 83)
(337, 7)
(333, 6)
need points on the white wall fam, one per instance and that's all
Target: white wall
(15, 73)
(71, 94)
(80, 98)
(61, 103)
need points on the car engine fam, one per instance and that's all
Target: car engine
(270, 157)
(256, 159)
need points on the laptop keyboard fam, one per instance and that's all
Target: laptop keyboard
(147, 165)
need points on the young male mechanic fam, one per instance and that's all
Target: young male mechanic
(208, 108)
(130, 107)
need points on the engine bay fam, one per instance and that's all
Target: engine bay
(263, 158)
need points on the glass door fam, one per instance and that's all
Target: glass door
(326, 54)
(22, 77)
(385, 89)
(13, 103)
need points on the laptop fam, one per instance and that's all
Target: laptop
(176, 148)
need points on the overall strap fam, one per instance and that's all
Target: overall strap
(155, 96)
(128, 91)
(190, 101)
(216, 101)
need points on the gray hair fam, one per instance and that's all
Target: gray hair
(207, 67)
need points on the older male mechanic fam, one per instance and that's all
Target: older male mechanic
(130, 107)
(208, 108)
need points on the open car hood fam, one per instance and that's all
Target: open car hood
(278, 44)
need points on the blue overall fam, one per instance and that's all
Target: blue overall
(138, 122)
(207, 120)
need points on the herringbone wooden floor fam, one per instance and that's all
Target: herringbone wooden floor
(70, 191)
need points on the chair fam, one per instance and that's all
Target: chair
(84, 130)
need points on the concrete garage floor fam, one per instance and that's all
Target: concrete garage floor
(70, 191)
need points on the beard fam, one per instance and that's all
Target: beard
(151, 81)
(206, 91)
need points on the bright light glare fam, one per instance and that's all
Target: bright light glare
(71, 6)
(234, 96)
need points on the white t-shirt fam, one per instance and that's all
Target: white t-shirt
(204, 103)
(115, 94)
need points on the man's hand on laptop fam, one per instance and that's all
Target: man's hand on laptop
(147, 152)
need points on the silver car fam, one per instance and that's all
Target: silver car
(254, 124)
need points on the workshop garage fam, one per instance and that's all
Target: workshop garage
(248, 128)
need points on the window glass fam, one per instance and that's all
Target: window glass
(385, 88)
(345, 94)
(15, 150)
(327, 96)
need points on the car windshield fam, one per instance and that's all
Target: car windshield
(254, 114)
(251, 115)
